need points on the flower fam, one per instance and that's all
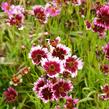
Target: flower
(102, 14)
(17, 20)
(60, 51)
(54, 42)
(46, 93)
(70, 103)
(61, 88)
(52, 10)
(105, 94)
(106, 50)
(40, 14)
(5, 7)
(10, 95)
(105, 68)
(72, 65)
(52, 66)
(15, 14)
(37, 53)
(39, 84)
(16, 80)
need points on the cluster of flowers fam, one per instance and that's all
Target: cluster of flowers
(16, 14)
(11, 94)
(59, 66)
(100, 23)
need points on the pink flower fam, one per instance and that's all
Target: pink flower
(73, 64)
(46, 93)
(52, 66)
(61, 88)
(15, 10)
(52, 10)
(70, 103)
(37, 53)
(106, 50)
(17, 20)
(105, 94)
(61, 51)
(103, 16)
(10, 95)
(15, 14)
(5, 7)
(40, 14)
(39, 84)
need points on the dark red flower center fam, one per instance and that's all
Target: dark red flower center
(51, 67)
(59, 52)
(61, 89)
(47, 93)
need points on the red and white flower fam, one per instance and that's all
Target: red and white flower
(103, 16)
(10, 95)
(38, 85)
(73, 64)
(39, 12)
(61, 88)
(105, 94)
(60, 51)
(70, 103)
(46, 93)
(37, 53)
(52, 66)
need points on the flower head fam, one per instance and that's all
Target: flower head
(39, 84)
(105, 94)
(70, 103)
(73, 64)
(5, 7)
(61, 88)
(61, 51)
(15, 14)
(37, 53)
(52, 66)
(103, 16)
(105, 68)
(54, 42)
(40, 14)
(46, 93)
(10, 95)
(16, 80)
